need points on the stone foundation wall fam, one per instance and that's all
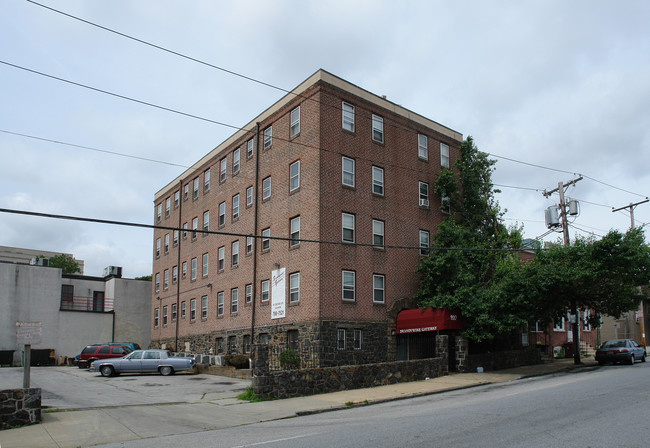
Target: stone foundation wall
(19, 407)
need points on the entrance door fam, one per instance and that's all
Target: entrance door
(402, 347)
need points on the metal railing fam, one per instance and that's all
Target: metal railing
(81, 303)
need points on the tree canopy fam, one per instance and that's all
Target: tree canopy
(65, 262)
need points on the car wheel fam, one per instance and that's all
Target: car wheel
(631, 361)
(106, 371)
(166, 370)
(643, 358)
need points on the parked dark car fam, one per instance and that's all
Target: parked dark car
(94, 352)
(144, 361)
(620, 350)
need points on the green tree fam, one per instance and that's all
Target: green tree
(144, 277)
(468, 280)
(65, 262)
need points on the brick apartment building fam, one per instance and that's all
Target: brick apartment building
(304, 207)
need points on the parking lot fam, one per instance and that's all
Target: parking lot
(74, 388)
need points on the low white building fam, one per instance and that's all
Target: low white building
(73, 310)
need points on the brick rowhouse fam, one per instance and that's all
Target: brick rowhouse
(344, 173)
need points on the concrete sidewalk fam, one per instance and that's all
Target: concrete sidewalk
(117, 424)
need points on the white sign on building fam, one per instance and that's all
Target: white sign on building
(278, 294)
(28, 333)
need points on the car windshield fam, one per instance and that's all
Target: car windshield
(614, 344)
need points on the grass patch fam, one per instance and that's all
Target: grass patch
(249, 395)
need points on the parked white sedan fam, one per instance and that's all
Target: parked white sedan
(144, 361)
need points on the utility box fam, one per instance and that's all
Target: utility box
(551, 217)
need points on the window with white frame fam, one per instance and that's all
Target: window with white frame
(266, 188)
(205, 265)
(157, 247)
(249, 148)
(186, 191)
(295, 122)
(347, 227)
(221, 258)
(340, 338)
(193, 269)
(235, 207)
(357, 339)
(249, 293)
(347, 171)
(220, 303)
(166, 279)
(222, 214)
(234, 300)
(348, 116)
(294, 175)
(268, 137)
(294, 287)
(294, 225)
(249, 245)
(174, 274)
(157, 281)
(159, 212)
(537, 327)
(204, 307)
(266, 241)
(236, 160)
(558, 325)
(377, 128)
(193, 309)
(168, 206)
(249, 196)
(235, 253)
(195, 226)
(424, 194)
(174, 312)
(177, 199)
(184, 270)
(206, 220)
(206, 180)
(167, 243)
(586, 325)
(155, 317)
(223, 169)
(349, 288)
(184, 230)
(424, 243)
(378, 288)
(195, 193)
(378, 234)
(183, 309)
(264, 290)
(378, 180)
(175, 237)
(444, 155)
(423, 147)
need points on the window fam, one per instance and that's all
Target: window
(444, 155)
(184, 270)
(266, 241)
(348, 116)
(423, 147)
(193, 269)
(266, 188)
(235, 207)
(186, 192)
(184, 230)
(537, 327)
(177, 199)
(159, 212)
(378, 180)
(340, 338)
(268, 137)
(157, 247)
(166, 279)
(235, 253)
(347, 171)
(294, 232)
(294, 175)
(232, 345)
(586, 326)
(264, 338)
(175, 237)
(378, 234)
(206, 180)
(195, 193)
(157, 281)
(174, 274)
(424, 243)
(236, 162)
(155, 317)
(67, 296)
(223, 166)
(249, 293)
(295, 122)
(193, 309)
(559, 326)
(249, 196)
(204, 307)
(222, 214)
(183, 309)
(247, 343)
(165, 310)
(249, 245)
(167, 243)
(377, 129)
(265, 290)
(348, 281)
(378, 288)
(221, 258)
(220, 303)
(445, 204)
(424, 194)
(294, 287)
(234, 300)
(195, 227)
(357, 339)
(249, 148)
(347, 226)
(168, 206)
(205, 264)
(206, 221)
(292, 339)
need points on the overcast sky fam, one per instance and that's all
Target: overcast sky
(563, 87)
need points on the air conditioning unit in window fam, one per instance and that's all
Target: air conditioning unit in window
(424, 202)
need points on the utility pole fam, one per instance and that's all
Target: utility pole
(642, 320)
(565, 230)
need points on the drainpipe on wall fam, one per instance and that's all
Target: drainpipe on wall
(178, 263)
(255, 226)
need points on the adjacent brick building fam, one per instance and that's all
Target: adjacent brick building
(314, 212)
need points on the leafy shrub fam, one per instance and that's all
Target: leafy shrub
(289, 359)
(237, 361)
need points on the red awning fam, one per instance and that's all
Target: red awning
(419, 321)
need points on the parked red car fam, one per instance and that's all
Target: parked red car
(94, 352)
